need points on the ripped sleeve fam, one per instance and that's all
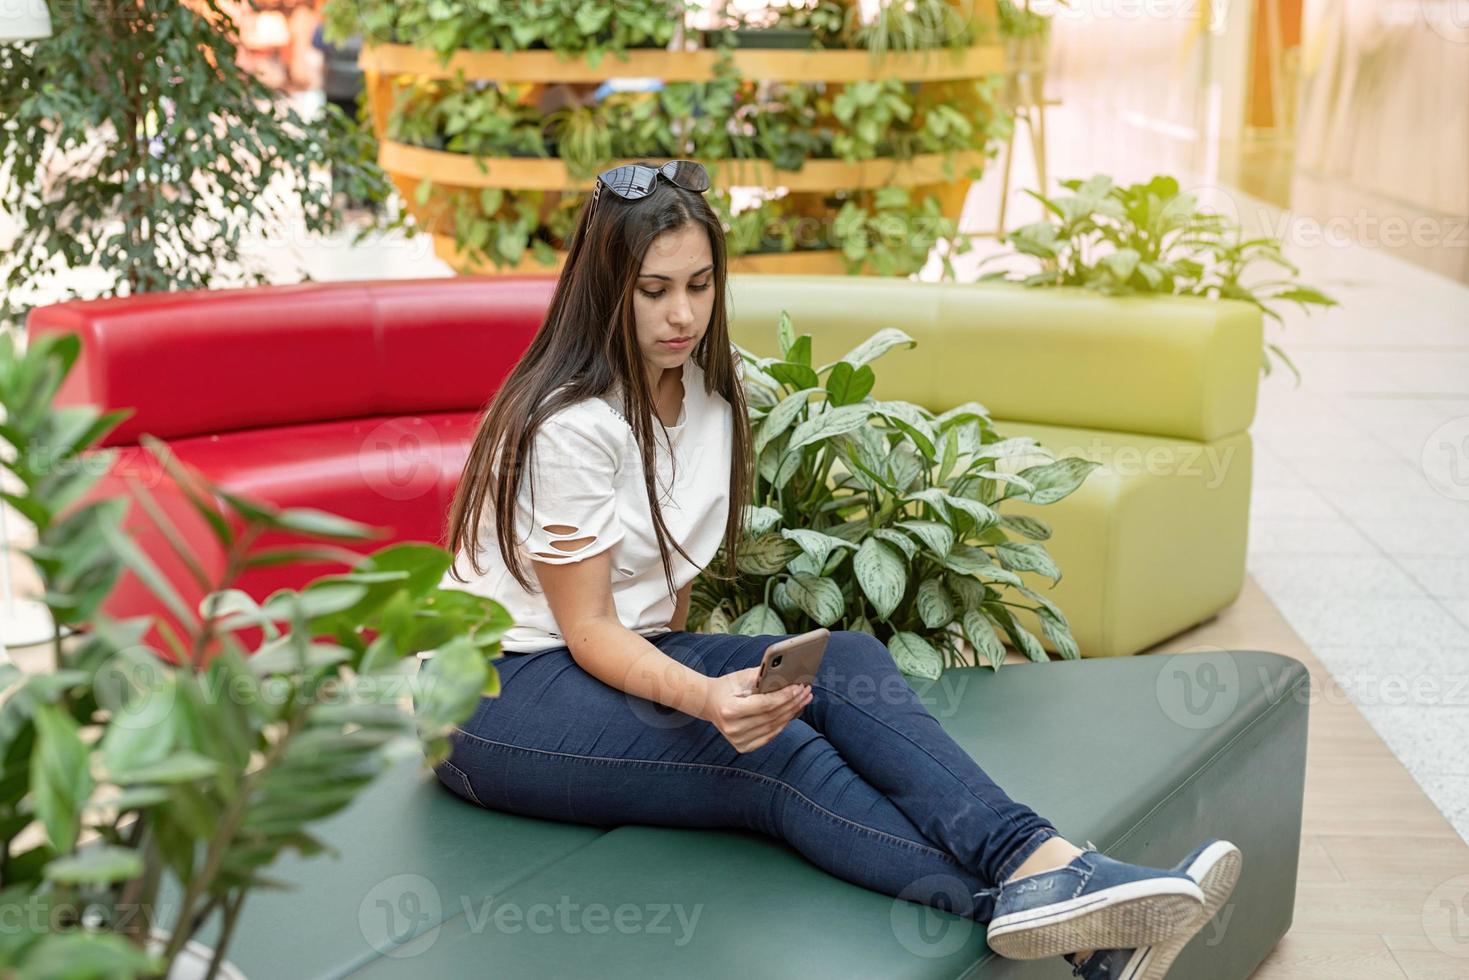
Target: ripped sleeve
(575, 499)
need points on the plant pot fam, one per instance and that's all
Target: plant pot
(192, 963)
(788, 38)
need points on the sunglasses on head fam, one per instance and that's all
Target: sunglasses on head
(634, 181)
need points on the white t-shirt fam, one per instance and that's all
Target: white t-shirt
(588, 475)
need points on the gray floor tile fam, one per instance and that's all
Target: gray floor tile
(1444, 576)
(1346, 576)
(1380, 622)
(1308, 536)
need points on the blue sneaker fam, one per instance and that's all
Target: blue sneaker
(1094, 902)
(1215, 865)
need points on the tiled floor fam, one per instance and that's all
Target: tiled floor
(1360, 521)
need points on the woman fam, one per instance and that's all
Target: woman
(620, 443)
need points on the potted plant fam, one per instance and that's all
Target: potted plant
(885, 231)
(916, 25)
(769, 27)
(1150, 238)
(883, 517)
(126, 765)
(583, 139)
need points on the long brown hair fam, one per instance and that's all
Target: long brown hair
(586, 345)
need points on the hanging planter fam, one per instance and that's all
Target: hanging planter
(785, 38)
(781, 53)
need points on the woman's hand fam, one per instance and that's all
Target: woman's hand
(748, 720)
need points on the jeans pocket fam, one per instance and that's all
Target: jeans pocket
(457, 780)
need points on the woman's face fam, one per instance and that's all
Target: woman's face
(674, 297)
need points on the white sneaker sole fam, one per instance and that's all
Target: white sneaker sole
(1137, 913)
(1216, 870)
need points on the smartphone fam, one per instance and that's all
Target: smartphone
(792, 661)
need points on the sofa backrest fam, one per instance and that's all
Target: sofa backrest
(1163, 365)
(201, 362)
(211, 361)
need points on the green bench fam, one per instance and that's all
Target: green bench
(426, 885)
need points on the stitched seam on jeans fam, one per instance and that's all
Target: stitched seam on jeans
(916, 745)
(722, 769)
(1018, 858)
(463, 778)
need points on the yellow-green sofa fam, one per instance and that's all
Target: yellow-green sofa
(1159, 390)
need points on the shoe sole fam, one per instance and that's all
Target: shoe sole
(1216, 870)
(1138, 913)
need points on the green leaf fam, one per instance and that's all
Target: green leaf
(832, 422)
(847, 385)
(881, 574)
(915, 656)
(96, 865)
(1028, 556)
(780, 418)
(1056, 480)
(180, 767)
(85, 953)
(1023, 640)
(447, 690)
(1305, 295)
(877, 345)
(935, 608)
(819, 598)
(1060, 636)
(319, 599)
(61, 778)
(816, 544)
(758, 520)
(758, 620)
(937, 537)
(800, 352)
(766, 554)
(981, 637)
(898, 540)
(785, 334)
(1031, 527)
(795, 375)
(984, 517)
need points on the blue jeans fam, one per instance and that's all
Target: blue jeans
(864, 782)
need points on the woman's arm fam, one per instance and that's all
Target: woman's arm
(580, 596)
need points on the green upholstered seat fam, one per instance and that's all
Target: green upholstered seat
(1154, 754)
(1162, 389)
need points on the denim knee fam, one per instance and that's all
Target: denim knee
(859, 665)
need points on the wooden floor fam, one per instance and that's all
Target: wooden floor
(1384, 879)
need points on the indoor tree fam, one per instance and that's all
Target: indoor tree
(133, 141)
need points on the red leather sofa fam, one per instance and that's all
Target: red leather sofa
(359, 399)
